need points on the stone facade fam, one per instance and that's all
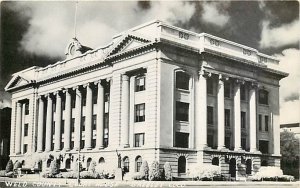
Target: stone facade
(157, 92)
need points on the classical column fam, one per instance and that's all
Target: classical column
(252, 109)
(49, 123)
(100, 116)
(201, 111)
(125, 111)
(40, 125)
(18, 128)
(58, 122)
(77, 132)
(88, 117)
(237, 115)
(221, 124)
(68, 116)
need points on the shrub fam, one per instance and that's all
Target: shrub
(54, 167)
(2, 173)
(17, 165)
(144, 171)
(154, 173)
(70, 175)
(89, 175)
(168, 172)
(206, 172)
(138, 176)
(75, 166)
(9, 166)
(271, 173)
(92, 167)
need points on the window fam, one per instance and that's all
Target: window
(140, 83)
(210, 141)
(106, 97)
(72, 144)
(93, 143)
(63, 103)
(181, 164)
(82, 142)
(140, 112)
(53, 128)
(267, 123)
(62, 126)
(106, 120)
(243, 92)
(73, 101)
(88, 162)
(259, 122)
(83, 97)
(73, 125)
(182, 80)
(105, 142)
(182, 111)
(210, 86)
(215, 161)
(54, 106)
(101, 160)
(248, 166)
(139, 139)
(25, 148)
(264, 163)
(138, 164)
(227, 117)
(227, 141)
(49, 163)
(227, 89)
(26, 129)
(126, 164)
(264, 146)
(26, 108)
(94, 122)
(62, 145)
(68, 163)
(210, 115)
(243, 143)
(263, 97)
(83, 123)
(243, 119)
(95, 96)
(182, 140)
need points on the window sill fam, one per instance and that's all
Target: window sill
(183, 90)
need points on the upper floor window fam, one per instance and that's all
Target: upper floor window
(182, 80)
(182, 111)
(26, 129)
(25, 148)
(259, 122)
(243, 92)
(83, 123)
(83, 99)
(26, 108)
(139, 139)
(243, 143)
(210, 140)
(263, 97)
(94, 121)
(227, 141)
(182, 140)
(63, 104)
(62, 126)
(210, 86)
(95, 96)
(264, 146)
(210, 115)
(227, 89)
(72, 125)
(73, 101)
(227, 117)
(243, 119)
(140, 83)
(267, 123)
(140, 112)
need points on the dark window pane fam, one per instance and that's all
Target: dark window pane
(62, 126)
(26, 108)
(227, 89)
(140, 83)
(140, 112)
(26, 129)
(181, 164)
(138, 163)
(83, 123)
(243, 119)
(266, 123)
(210, 141)
(227, 141)
(263, 97)
(139, 139)
(264, 146)
(94, 122)
(259, 122)
(243, 143)
(182, 140)
(243, 92)
(210, 115)
(210, 86)
(126, 164)
(182, 80)
(227, 117)
(182, 111)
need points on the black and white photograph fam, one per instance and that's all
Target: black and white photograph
(149, 93)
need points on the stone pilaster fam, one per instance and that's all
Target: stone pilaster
(78, 106)
(237, 115)
(18, 128)
(100, 116)
(125, 112)
(68, 116)
(41, 116)
(49, 122)
(252, 109)
(58, 122)
(221, 115)
(88, 117)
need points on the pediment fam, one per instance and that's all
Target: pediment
(129, 42)
(17, 81)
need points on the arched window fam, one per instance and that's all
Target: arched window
(248, 166)
(88, 162)
(215, 161)
(49, 163)
(68, 163)
(138, 163)
(126, 164)
(181, 164)
(40, 165)
(182, 80)
(101, 160)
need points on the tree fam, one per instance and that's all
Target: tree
(9, 166)
(17, 165)
(289, 147)
(145, 170)
(54, 167)
(168, 171)
(154, 173)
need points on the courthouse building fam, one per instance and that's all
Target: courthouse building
(156, 92)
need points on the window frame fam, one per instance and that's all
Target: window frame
(263, 97)
(210, 115)
(137, 86)
(181, 83)
(182, 111)
(26, 127)
(243, 119)
(266, 123)
(139, 139)
(138, 163)
(138, 110)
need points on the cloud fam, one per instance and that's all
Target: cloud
(51, 24)
(279, 36)
(213, 14)
(5, 99)
(289, 112)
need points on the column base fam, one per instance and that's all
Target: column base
(66, 149)
(222, 148)
(39, 151)
(57, 150)
(238, 149)
(99, 148)
(88, 148)
(126, 146)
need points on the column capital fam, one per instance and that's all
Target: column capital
(125, 77)
(41, 97)
(239, 81)
(97, 82)
(223, 77)
(205, 73)
(254, 85)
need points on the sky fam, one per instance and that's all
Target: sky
(36, 33)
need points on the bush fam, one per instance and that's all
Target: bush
(138, 176)
(144, 171)
(271, 173)
(54, 167)
(89, 175)
(154, 173)
(206, 172)
(75, 167)
(92, 167)
(168, 172)
(17, 165)
(9, 166)
(69, 175)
